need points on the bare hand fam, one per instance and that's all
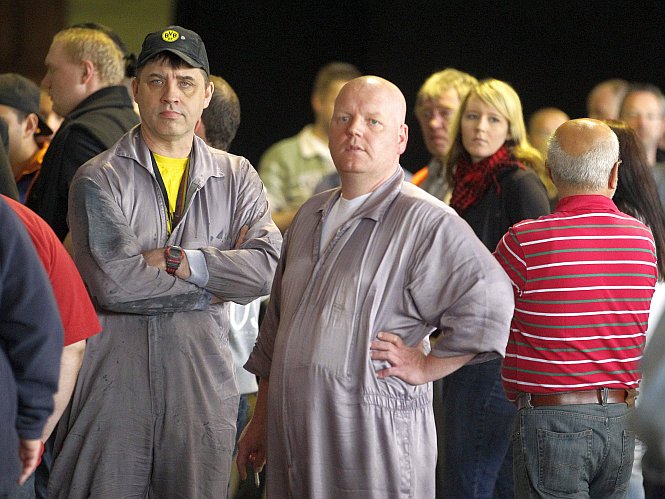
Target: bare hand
(241, 236)
(407, 363)
(29, 452)
(155, 258)
(251, 448)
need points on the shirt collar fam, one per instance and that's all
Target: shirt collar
(378, 202)
(587, 202)
(312, 146)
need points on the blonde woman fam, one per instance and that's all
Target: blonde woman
(492, 170)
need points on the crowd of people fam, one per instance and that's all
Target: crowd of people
(473, 330)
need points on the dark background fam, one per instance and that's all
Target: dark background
(552, 52)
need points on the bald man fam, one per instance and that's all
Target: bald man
(542, 124)
(368, 272)
(604, 100)
(583, 278)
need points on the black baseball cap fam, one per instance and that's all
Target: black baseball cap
(182, 42)
(23, 94)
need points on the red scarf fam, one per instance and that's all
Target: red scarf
(473, 179)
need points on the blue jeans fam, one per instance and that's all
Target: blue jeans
(474, 428)
(243, 415)
(573, 451)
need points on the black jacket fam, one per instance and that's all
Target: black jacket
(95, 125)
(522, 197)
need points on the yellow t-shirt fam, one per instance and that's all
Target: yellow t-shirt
(172, 171)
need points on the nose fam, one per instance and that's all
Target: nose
(435, 121)
(171, 92)
(355, 126)
(481, 124)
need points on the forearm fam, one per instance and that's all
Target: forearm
(252, 443)
(411, 364)
(261, 407)
(70, 364)
(245, 273)
(112, 264)
(440, 367)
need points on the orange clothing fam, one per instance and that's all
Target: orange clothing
(29, 173)
(419, 177)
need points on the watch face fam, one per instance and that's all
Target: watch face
(175, 252)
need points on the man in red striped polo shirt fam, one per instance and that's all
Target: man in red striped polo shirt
(583, 278)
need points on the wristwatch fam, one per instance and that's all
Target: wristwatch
(173, 256)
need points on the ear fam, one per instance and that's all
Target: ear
(613, 182)
(317, 104)
(403, 138)
(208, 94)
(30, 125)
(88, 71)
(135, 88)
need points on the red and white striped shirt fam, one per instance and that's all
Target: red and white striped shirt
(583, 279)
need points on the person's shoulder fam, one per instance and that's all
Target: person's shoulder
(519, 177)
(227, 160)
(225, 164)
(416, 198)
(422, 212)
(112, 158)
(283, 149)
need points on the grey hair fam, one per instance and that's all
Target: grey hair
(590, 170)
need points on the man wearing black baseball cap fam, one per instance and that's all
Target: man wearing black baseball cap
(19, 108)
(166, 231)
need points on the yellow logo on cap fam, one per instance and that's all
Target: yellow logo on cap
(170, 35)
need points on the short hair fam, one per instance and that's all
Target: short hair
(130, 58)
(501, 96)
(441, 81)
(590, 170)
(174, 61)
(648, 88)
(93, 45)
(222, 116)
(540, 112)
(332, 72)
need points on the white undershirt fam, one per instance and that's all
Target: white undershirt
(342, 210)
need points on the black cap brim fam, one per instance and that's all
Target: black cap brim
(149, 55)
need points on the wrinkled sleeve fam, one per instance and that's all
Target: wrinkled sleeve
(244, 274)
(108, 255)
(457, 286)
(31, 333)
(260, 359)
(510, 256)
